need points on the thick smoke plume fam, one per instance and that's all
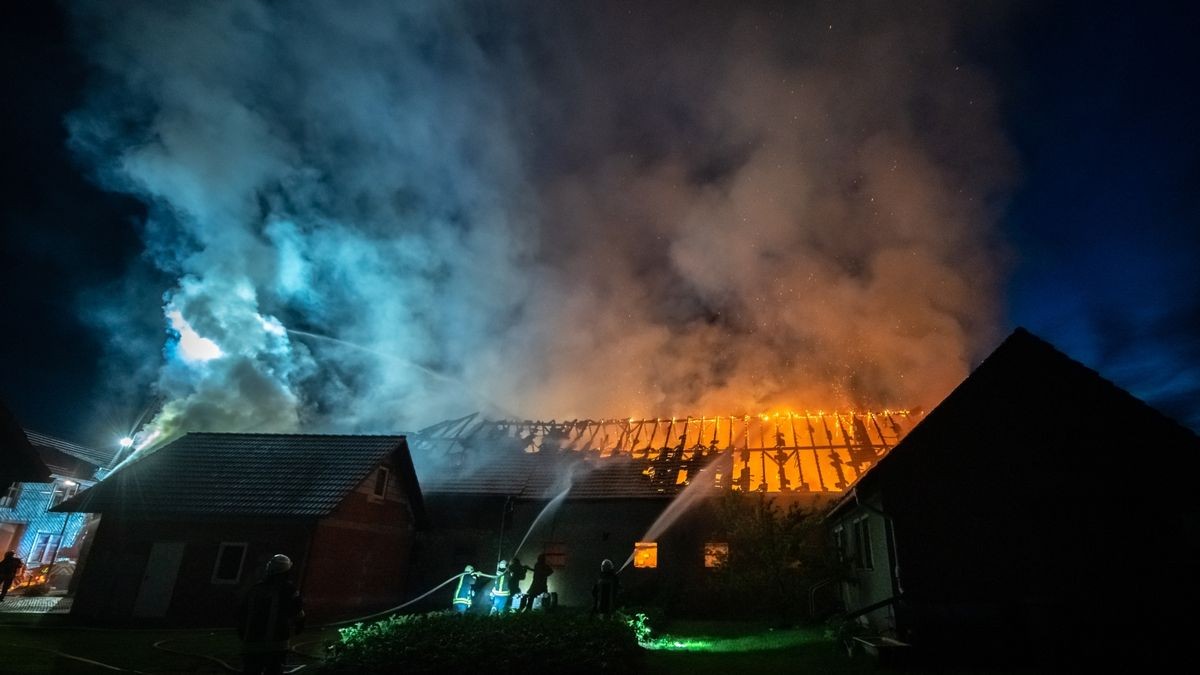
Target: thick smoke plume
(557, 210)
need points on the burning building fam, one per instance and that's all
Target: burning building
(581, 491)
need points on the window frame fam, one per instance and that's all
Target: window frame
(645, 546)
(11, 496)
(241, 562)
(52, 545)
(62, 491)
(864, 554)
(713, 549)
(385, 474)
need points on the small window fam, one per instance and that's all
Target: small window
(9, 500)
(63, 490)
(381, 481)
(556, 553)
(839, 542)
(645, 554)
(228, 568)
(862, 535)
(45, 548)
(716, 553)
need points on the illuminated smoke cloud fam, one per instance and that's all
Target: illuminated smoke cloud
(547, 211)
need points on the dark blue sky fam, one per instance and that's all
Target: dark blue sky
(1102, 225)
(1105, 220)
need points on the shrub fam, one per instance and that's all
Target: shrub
(445, 642)
(640, 625)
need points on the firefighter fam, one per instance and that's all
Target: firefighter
(537, 587)
(464, 593)
(10, 567)
(501, 592)
(604, 591)
(270, 614)
(517, 573)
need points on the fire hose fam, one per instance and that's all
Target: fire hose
(391, 610)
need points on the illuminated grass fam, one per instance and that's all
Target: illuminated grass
(757, 642)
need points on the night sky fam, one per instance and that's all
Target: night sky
(1096, 241)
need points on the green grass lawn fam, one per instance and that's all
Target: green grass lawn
(693, 647)
(46, 647)
(724, 647)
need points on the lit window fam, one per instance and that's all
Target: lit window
(228, 567)
(645, 554)
(715, 553)
(381, 481)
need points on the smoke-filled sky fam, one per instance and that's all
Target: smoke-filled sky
(372, 216)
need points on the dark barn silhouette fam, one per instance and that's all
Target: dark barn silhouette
(1039, 512)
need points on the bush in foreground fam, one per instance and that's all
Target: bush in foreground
(446, 642)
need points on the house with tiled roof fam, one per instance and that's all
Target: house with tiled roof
(28, 526)
(188, 527)
(1038, 513)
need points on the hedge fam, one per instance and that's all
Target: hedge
(445, 642)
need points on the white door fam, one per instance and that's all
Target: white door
(158, 582)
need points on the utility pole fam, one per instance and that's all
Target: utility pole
(62, 533)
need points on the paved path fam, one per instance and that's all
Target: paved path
(44, 604)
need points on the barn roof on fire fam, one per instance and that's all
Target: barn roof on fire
(247, 474)
(792, 452)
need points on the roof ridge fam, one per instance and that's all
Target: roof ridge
(293, 434)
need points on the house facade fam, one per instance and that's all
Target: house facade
(28, 527)
(184, 531)
(1038, 512)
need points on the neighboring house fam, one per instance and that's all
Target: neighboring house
(186, 529)
(27, 526)
(1038, 511)
(581, 491)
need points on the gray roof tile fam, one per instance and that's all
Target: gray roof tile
(241, 474)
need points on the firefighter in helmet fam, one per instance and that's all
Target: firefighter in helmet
(605, 590)
(464, 593)
(501, 592)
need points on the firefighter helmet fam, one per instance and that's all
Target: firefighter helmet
(469, 569)
(502, 565)
(606, 566)
(278, 564)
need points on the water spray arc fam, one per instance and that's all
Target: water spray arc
(698, 488)
(550, 506)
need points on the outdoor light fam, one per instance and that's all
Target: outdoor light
(69, 482)
(125, 442)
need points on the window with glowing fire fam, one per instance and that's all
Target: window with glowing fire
(645, 554)
(715, 553)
